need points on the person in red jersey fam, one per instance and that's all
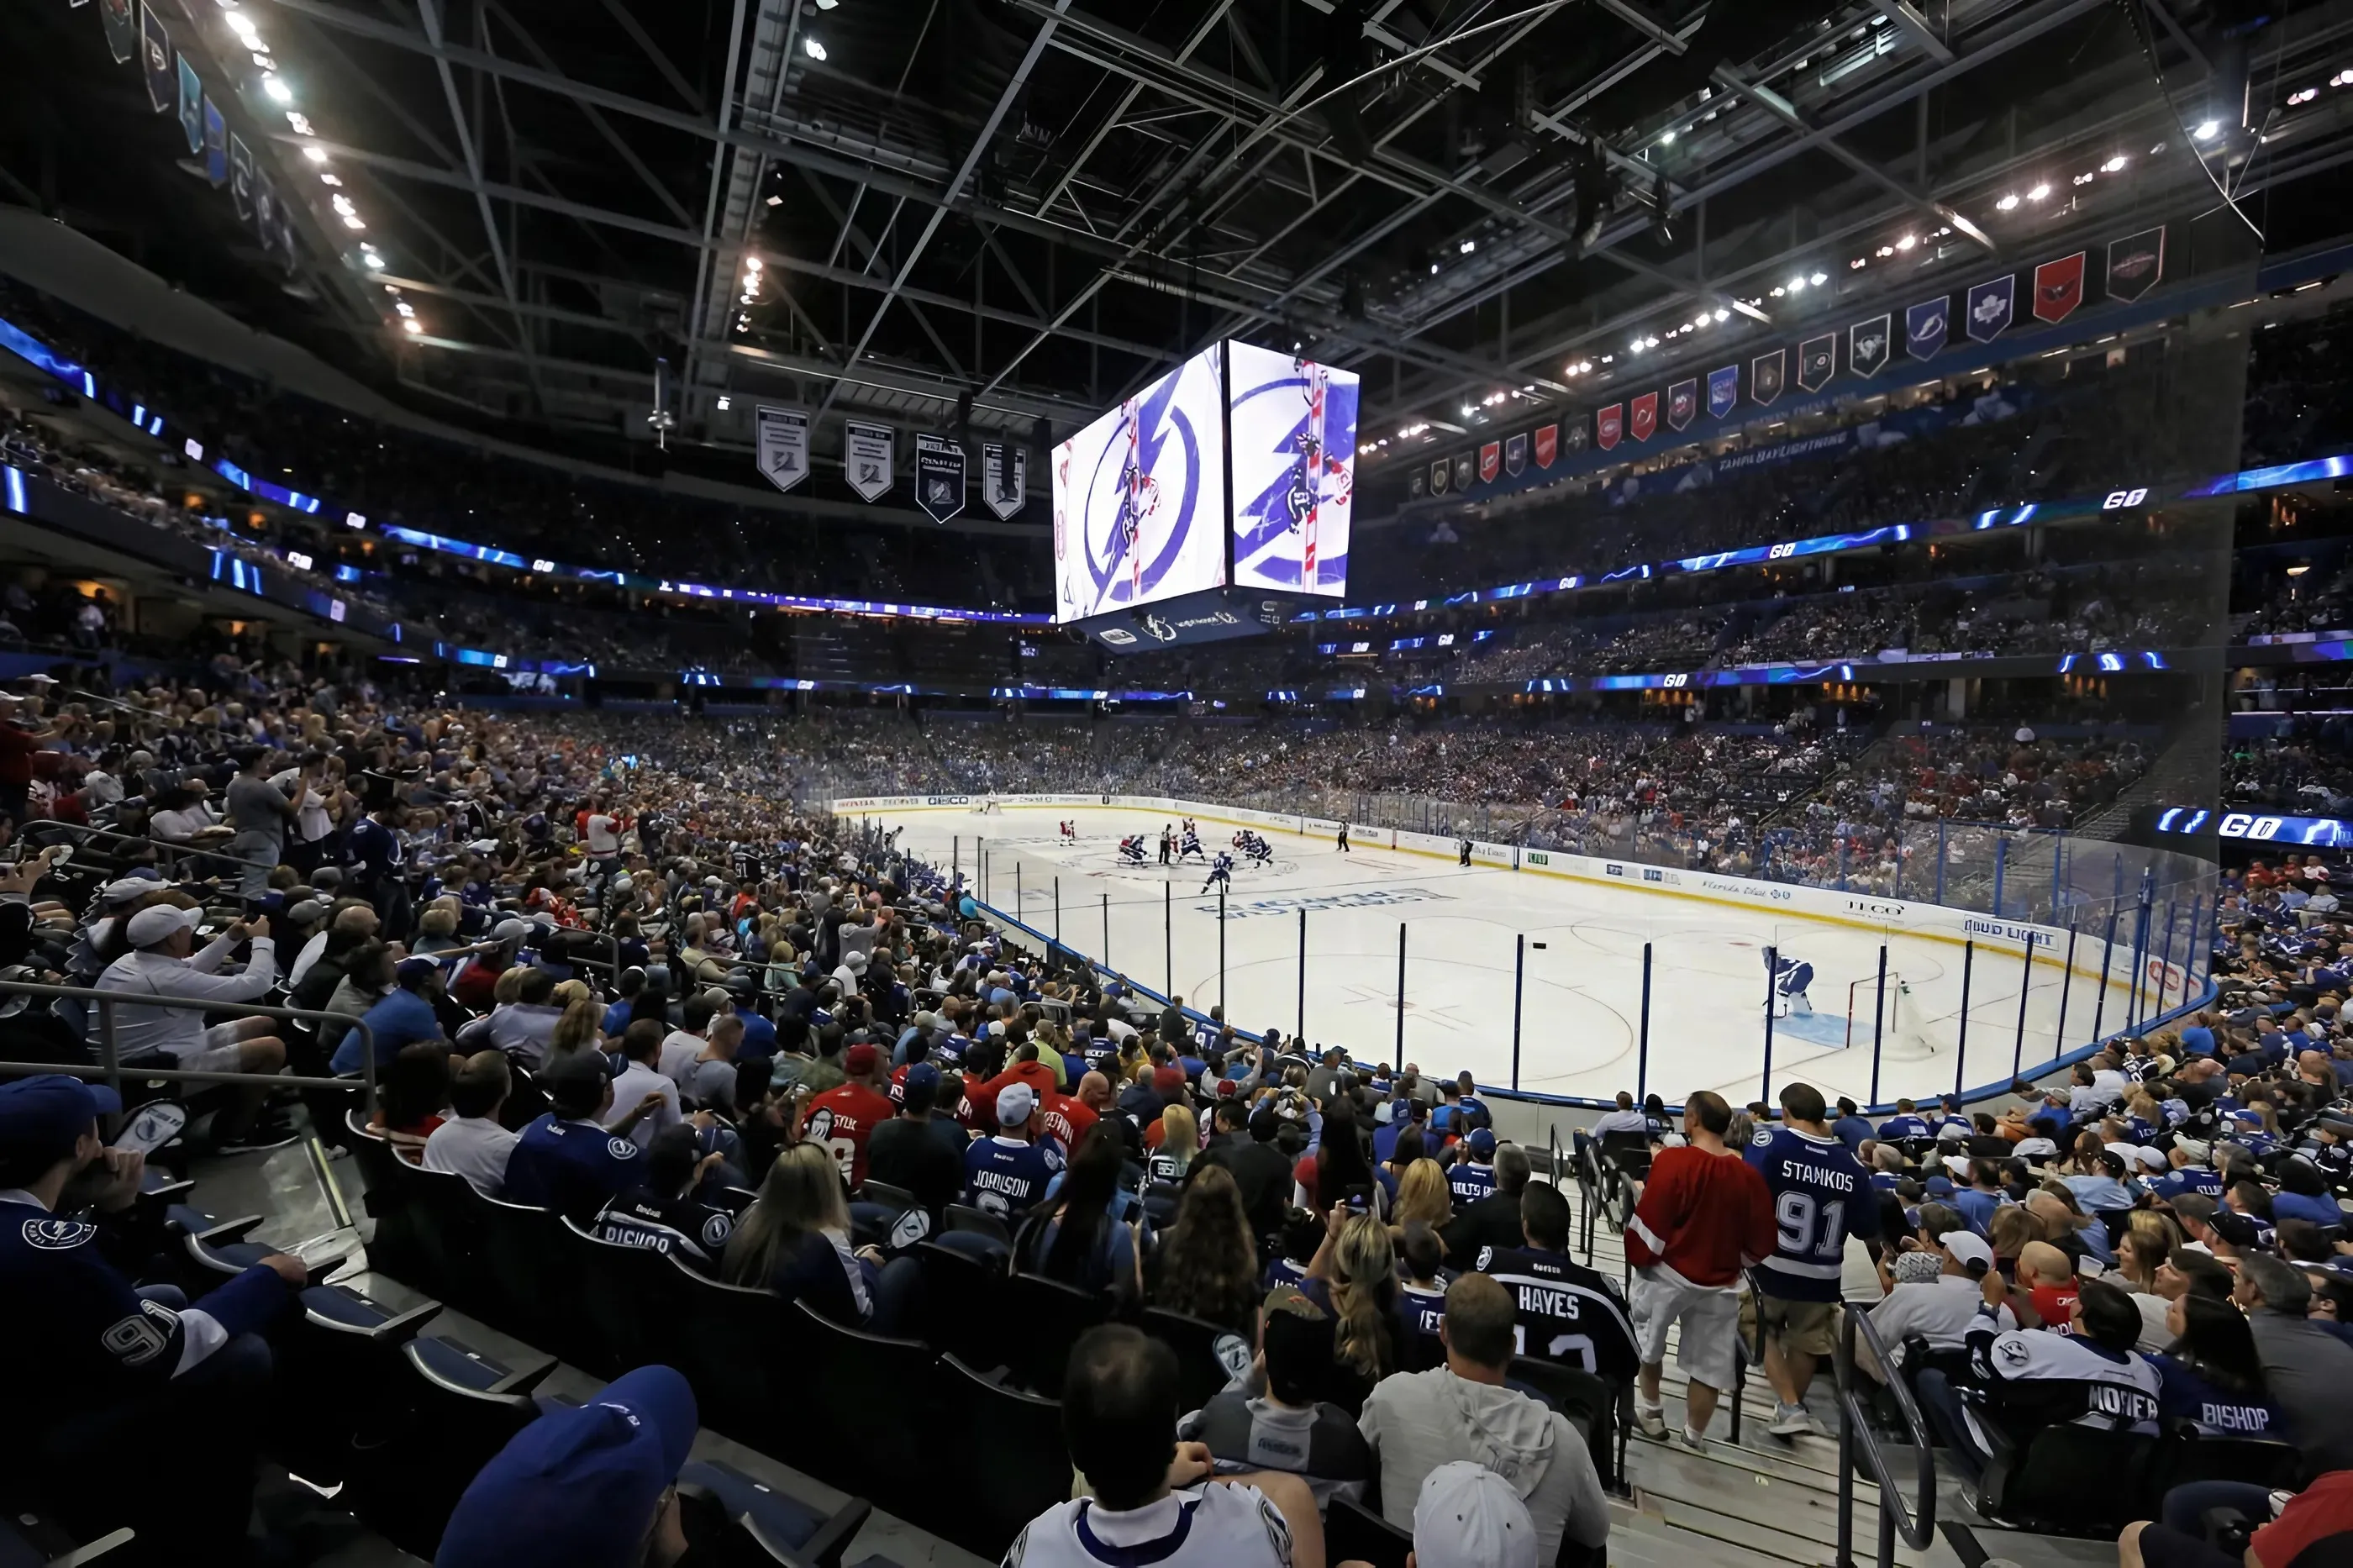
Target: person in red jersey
(845, 1116)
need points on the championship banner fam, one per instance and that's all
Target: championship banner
(1004, 477)
(1765, 376)
(1989, 308)
(1683, 401)
(192, 106)
(1723, 391)
(1438, 472)
(1490, 459)
(155, 58)
(1816, 361)
(2058, 288)
(1609, 424)
(1643, 417)
(240, 176)
(216, 144)
(1416, 487)
(1548, 445)
(1926, 327)
(2136, 263)
(939, 476)
(782, 444)
(867, 458)
(122, 29)
(1462, 474)
(1867, 346)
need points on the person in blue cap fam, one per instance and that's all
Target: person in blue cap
(1472, 1176)
(587, 1485)
(111, 1368)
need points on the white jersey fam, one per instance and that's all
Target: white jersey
(1211, 1526)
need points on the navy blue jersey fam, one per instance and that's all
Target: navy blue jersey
(1564, 1312)
(1903, 1126)
(2189, 1179)
(1470, 1182)
(2187, 1395)
(695, 1232)
(573, 1167)
(1005, 1179)
(1820, 1198)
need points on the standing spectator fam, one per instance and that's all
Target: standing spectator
(1415, 1422)
(1244, 1147)
(1822, 1196)
(259, 812)
(164, 962)
(1704, 1217)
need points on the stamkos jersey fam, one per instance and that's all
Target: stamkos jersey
(2033, 1379)
(1564, 1312)
(1006, 1177)
(1211, 1526)
(1822, 1196)
(572, 1167)
(1470, 1182)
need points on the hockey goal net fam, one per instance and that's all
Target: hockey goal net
(1895, 1013)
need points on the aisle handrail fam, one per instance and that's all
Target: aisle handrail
(110, 1064)
(1917, 1523)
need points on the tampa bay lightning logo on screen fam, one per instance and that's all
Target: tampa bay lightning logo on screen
(1138, 504)
(1294, 446)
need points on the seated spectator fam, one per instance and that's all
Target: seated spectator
(590, 1484)
(1423, 1197)
(401, 1017)
(1415, 1422)
(412, 1097)
(1566, 1312)
(2048, 1281)
(666, 1212)
(1155, 1500)
(644, 1097)
(471, 1142)
(795, 1239)
(1492, 1222)
(1467, 1516)
(2212, 1377)
(1939, 1310)
(1353, 1277)
(918, 1151)
(2316, 1517)
(2305, 1368)
(1006, 1175)
(1422, 1279)
(1285, 1427)
(1207, 1263)
(1244, 1145)
(1074, 1240)
(568, 1160)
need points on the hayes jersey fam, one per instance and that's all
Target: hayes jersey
(1565, 1311)
(1822, 1196)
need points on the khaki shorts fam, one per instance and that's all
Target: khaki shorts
(1809, 1328)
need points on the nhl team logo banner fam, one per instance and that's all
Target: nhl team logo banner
(1462, 473)
(1418, 485)
(156, 58)
(122, 29)
(867, 458)
(1609, 424)
(1548, 445)
(1438, 472)
(2136, 263)
(1515, 455)
(265, 209)
(240, 176)
(1682, 402)
(1817, 358)
(1926, 327)
(1005, 478)
(1867, 346)
(939, 476)
(192, 106)
(2058, 288)
(1765, 376)
(216, 144)
(1989, 307)
(1723, 392)
(1573, 436)
(1491, 456)
(783, 445)
(1643, 417)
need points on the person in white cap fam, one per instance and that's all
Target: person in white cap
(164, 962)
(1940, 1310)
(1468, 1517)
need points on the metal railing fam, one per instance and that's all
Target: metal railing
(37, 833)
(110, 1057)
(1915, 1524)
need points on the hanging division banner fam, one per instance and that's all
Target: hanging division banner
(1548, 445)
(1683, 401)
(1925, 326)
(192, 106)
(2136, 263)
(216, 144)
(1004, 477)
(122, 29)
(155, 58)
(2058, 288)
(939, 476)
(1990, 304)
(1816, 361)
(240, 176)
(867, 458)
(1516, 454)
(783, 445)
(1867, 346)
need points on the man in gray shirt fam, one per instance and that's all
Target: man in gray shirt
(257, 814)
(2305, 1369)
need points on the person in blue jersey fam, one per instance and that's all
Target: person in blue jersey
(1851, 1129)
(1221, 872)
(379, 863)
(1006, 1175)
(1976, 1202)
(2189, 1173)
(2212, 1378)
(1562, 1312)
(2304, 1195)
(566, 1161)
(1822, 1196)
(1791, 977)
(1472, 1175)
(126, 1405)
(662, 1213)
(1907, 1122)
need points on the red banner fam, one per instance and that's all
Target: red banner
(1609, 424)
(1645, 421)
(2058, 288)
(1491, 459)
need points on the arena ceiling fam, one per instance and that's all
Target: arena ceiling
(1012, 211)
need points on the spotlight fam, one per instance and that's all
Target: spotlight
(276, 90)
(811, 47)
(2207, 130)
(316, 154)
(2008, 204)
(2038, 193)
(1467, 247)
(1819, 279)
(2114, 166)
(411, 324)
(375, 263)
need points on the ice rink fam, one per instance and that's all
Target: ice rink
(1581, 994)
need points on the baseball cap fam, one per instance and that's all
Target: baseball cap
(1939, 1187)
(922, 1081)
(409, 972)
(123, 890)
(1482, 1141)
(1469, 1517)
(860, 1059)
(2235, 1228)
(45, 1114)
(158, 922)
(926, 1022)
(1957, 1164)
(578, 1486)
(1969, 1250)
(1015, 1102)
(2196, 1151)
(511, 929)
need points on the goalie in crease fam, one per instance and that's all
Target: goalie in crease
(1791, 977)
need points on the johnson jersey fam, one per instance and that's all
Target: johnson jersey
(1822, 1196)
(573, 1167)
(1564, 1312)
(1470, 1182)
(1005, 1178)
(695, 1232)
(1198, 1527)
(842, 1118)
(88, 1338)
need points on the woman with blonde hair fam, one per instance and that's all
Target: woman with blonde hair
(2148, 1239)
(794, 1240)
(1353, 1277)
(580, 1029)
(1422, 1195)
(1180, 1140)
